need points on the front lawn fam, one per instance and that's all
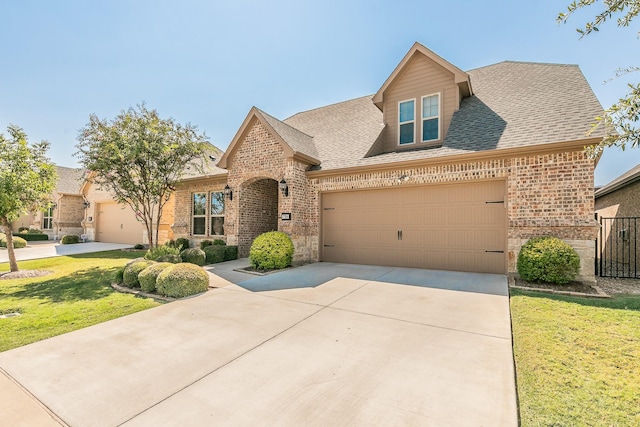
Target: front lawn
(577, 359)
(75, 295)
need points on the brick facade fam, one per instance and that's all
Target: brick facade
(547, 194)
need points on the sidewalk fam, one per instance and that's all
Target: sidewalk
(47, 249)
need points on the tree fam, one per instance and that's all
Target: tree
(621, 119)
(27, 179)
(139, 157)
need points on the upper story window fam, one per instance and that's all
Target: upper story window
(406, 121)
(199, 214)
(47, 219)
(430, 118)
(217, 213)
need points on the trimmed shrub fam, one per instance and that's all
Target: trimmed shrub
(548, 259)
(149, 275)
(219, 242)
(230, 253)
(118, 276)
(172, 258)
(23, 230)
(160, 251)
(18, 242)
(205, 243)
(182, 244)
(271, 251)
(131, 271)
(139, 246)
(133, 260)
(214, 254)
(194, 256)
(70, 239)
(33, 231)
(181, 280)
(33, 237)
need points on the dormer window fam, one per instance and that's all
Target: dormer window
(431, 117)
(406, 119)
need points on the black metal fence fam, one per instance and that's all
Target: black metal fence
(617, 248)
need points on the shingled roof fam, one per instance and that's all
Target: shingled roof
(69, 180)
(205, 166)
(629, 177)
(515, 104)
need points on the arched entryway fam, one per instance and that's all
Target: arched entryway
(258, 211)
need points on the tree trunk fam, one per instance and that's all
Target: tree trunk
(13, 265)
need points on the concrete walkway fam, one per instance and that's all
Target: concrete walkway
(48, 249)
(355, 345)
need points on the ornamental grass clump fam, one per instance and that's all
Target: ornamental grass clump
(160, 251)
(548, 259)
(271, 251)
(181, 280)
(149, 275)
(131, 271)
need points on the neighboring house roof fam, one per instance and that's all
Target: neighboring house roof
(70, 180)
(629, 177)
(460, 77)
(515, 104)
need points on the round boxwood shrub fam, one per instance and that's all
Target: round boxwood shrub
(172, 258)
(194, 256)
(548, 259)
(230, 253)
(214, 254)
(182, 243)
(149, 275)
(271, 251)
(219, 242)
(18, 242)
(70, 239)
(131, 271)
(205, 243)
(181, 280)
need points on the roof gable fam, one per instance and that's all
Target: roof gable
(629, 177)
(460, 77)
(295, 143)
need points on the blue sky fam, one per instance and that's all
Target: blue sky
(208, 62)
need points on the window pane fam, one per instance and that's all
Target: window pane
(429, 129)
(406, 111)
(198, 226)
(430, 106)
(199, 204)
(217, 203)
(406, 133)
(217, 226)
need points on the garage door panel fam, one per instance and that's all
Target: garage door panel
(449, 227)
(118, 224)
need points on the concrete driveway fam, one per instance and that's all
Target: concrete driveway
(349, 345)
(48, 249)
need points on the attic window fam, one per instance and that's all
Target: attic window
(406, 120)
(431, 117)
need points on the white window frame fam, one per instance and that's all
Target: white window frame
(407, 122)
(439, 117)
(212, 215)
(194, 216)
(47, 216)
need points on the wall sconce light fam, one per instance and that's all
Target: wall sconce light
(228, 193)
(403, 178)
(86, 204)
(284, 187)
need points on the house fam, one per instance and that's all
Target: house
(440, 169)
(617, 205)
(80, 207)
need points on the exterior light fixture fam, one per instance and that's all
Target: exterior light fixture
(284, 187)
(228, 193)
(86, 204)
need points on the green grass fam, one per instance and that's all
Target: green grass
(577, 359)
(76, 295)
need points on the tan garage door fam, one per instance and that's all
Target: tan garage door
(460, 227)
(118, 224)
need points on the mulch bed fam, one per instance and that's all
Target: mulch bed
(23, 274)
(569, 287)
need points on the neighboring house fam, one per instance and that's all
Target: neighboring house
(618, 207)
(440, 169)
(80, 207)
